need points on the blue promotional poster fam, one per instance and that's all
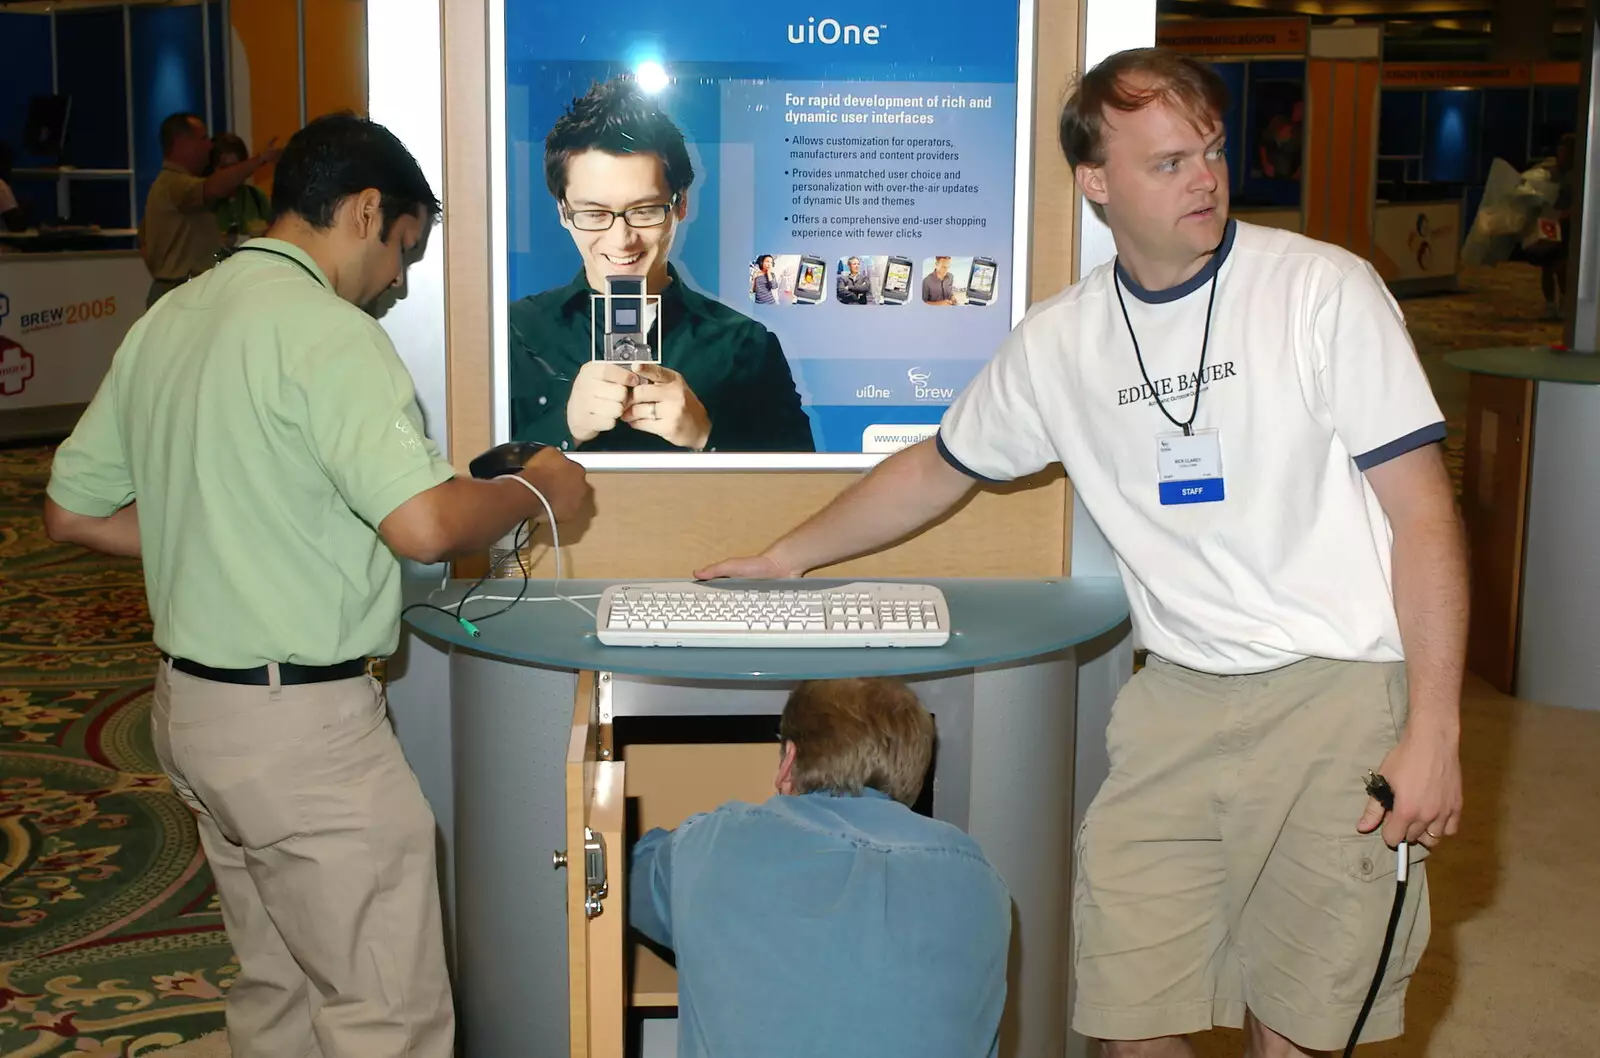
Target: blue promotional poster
(758, 229)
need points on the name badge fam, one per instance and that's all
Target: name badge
(1189, 468)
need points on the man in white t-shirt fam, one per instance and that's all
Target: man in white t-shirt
(1244, 416)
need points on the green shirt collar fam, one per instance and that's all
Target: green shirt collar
(289, 249)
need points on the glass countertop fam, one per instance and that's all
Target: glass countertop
(992, 622)
(1539, 363)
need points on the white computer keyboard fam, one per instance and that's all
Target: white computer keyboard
(692, 614)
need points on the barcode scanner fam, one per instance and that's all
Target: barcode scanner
(1379, 790)
(508, 458)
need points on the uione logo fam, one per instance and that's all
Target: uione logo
(832, 31)
(16, 368)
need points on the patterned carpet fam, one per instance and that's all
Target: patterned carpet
(111, 945)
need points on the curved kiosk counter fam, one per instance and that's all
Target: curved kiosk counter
(1531, 495)
(62, 315)
(565, 749)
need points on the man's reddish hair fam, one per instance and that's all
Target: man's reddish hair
(1132, 80)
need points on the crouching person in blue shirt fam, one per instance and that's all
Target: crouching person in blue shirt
(831, 920)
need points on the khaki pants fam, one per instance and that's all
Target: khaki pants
(322, 847)
(1219, 869)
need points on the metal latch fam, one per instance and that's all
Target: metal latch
(594, 872)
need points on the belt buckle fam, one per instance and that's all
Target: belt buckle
(378, 669)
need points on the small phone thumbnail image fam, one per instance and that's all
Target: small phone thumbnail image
(788, 279)
(950, 280)
(873, 279)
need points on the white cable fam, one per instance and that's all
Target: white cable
(513, 598)
(555, 536)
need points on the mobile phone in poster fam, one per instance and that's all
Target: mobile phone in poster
(810, 281)
(981, 281)
(897, 281)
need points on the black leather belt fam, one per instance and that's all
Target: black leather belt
(288, 672)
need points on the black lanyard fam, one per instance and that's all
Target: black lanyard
(287, 257)
(1205, 339)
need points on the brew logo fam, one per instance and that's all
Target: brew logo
(922, 391)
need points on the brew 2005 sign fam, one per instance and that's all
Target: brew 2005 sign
(61, 321)
(68, 315)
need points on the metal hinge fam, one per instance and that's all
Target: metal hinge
(602, 701)
(594, 873)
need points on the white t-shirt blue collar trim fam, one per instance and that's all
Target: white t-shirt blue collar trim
(1188, 286)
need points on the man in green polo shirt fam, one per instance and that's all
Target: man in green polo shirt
(620, 174)
(257, 441)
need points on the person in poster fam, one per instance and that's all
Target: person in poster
(939, 286)
(1279, 153)
(620, 174)
(764, 283)
(855, 286)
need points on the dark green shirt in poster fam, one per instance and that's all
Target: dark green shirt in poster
(732, 363)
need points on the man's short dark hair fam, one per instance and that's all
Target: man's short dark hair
(175, 125)
(617, 117)
(340, 155)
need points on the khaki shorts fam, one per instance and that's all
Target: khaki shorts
(1219, 868)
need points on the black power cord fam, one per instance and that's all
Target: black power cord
(524, 533)
(1380, 791)
(502, 460)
